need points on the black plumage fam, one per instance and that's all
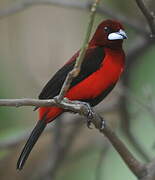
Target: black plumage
(92, 62)
(40, 126)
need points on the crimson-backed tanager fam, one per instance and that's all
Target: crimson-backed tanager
(103, 64)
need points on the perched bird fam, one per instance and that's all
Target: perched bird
(103, 64)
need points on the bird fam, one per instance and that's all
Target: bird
(102, 66)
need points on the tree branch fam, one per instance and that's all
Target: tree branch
(12, 142)
(150, 17)
(136, 167)
(21, 5)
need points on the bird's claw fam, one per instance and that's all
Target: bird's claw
(56, 99)
(103, 124)
(90, 115)
(35, 108)
(89, 123)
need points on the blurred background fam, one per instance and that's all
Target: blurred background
(36, 38)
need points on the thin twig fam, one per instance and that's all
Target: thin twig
(150, 17)
(21, 5)
(65, 103)
(77, 67)
(26, 102)
(132, 23)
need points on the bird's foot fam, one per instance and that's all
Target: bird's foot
(90, 113)
(89, 122)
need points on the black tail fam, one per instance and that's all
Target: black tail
(40, 126)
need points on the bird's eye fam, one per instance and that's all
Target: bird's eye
(107, 29)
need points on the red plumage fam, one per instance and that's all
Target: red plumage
(102, 66)
(111, 68)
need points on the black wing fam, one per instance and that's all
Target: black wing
(91, 63)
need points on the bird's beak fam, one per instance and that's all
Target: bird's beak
(117, 35)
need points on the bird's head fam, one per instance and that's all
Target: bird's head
(109, 33)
